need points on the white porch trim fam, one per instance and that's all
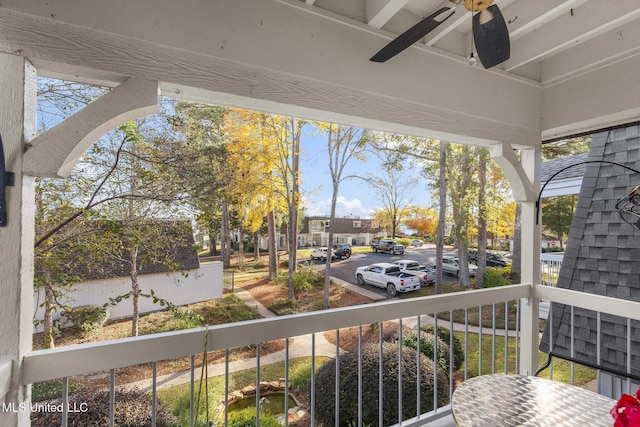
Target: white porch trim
(55, 152)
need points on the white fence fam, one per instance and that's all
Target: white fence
(550, 264)
(202, 284)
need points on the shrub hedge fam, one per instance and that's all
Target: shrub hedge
(348, 386)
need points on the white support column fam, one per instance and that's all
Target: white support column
(524, 177)
(17, 126)
(530, 274)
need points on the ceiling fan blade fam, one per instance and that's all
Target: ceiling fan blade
(491, 38)
(412, 35)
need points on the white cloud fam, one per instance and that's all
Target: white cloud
(344, 208)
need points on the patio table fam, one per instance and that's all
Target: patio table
(517, 400)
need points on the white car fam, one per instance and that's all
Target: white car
(321, 254)
(387, 276)
(426, 274)
(452, 266)
(417, 243)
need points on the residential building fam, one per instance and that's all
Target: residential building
(353, 230)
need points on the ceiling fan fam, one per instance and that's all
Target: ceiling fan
(490, 34)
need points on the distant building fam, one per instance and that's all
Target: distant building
(352, 230)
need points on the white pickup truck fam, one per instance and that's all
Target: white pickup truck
(387, 276)
(426, 274)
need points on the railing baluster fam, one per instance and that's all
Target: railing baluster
(360, 375)
(435, 362)
(517, 337)
(65, 401)
(418, 366)
(337, 380)
(506, 337)
(400, 371)
(112, 397)
(192, 390)
(551, 341)
(598, 343)
(154, 389)
(480, 341)
(313, 379)
(628, 355)
(286, 382)
(451, 356)
(226, 387)
(466, 341)
(258, 384)
(573, 354)
(493, 340)
(380, 390)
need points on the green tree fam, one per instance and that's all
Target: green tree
(196, 156)
(557, 214)
(566, 147)
(138, 207)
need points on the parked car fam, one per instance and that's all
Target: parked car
(417, 243)
(389, 246)
(387, 276)
(426, 274)
(321, 254)
(452, 266)
(343, 250)
(493, 259)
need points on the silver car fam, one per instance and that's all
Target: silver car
(452, 266)
(321, 254)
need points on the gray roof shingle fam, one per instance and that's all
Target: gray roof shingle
(602, 257)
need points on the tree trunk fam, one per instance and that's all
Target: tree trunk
(273, 249)
(212, 244)
(135, 288)
(293, 215)
(256, 246)
(461, 215)
(225, 239)
(442, 211)
(327, 269)
(481, 255)
(240, 247)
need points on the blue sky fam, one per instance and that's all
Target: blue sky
(355, 197)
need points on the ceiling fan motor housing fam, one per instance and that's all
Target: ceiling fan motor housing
(477, 5)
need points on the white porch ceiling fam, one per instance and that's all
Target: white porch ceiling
(573, 65)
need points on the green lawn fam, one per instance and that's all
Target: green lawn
(561, 368)
(178, 398)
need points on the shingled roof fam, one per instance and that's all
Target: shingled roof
(550, 167)
(602, 257)
(177, 247)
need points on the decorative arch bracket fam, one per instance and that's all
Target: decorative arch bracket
(55, 152)
(522, 187)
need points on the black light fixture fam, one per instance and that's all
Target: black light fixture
(6, 179)
(627, 205)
